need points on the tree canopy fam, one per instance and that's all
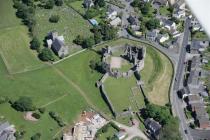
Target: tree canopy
(46, 55)
(23, 104)
(152, 24)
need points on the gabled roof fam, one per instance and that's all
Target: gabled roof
(153, 126)
(57, 44)
(132, 20)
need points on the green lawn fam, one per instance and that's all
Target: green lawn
(164, 11)
(14, 41)
(7, 14)
(77, 5)
(110, 133)
(197, 35)
(42, 86)
(70, 24)
(119, 92)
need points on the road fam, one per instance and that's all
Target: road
(133, 131)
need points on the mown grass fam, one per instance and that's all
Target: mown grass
(14, 41)
(70, 24)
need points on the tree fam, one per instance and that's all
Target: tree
(90, 13)
(49, 4)
(79, 40)
(136, 3)
(108, 32)
(170, 131)
(100, 3)
(145, 9)
(58, 2)
(35, 44)
(98, 37)
(152, 24)
(37, 136)
(23, 104)
(89, 42)
(36, 115)
(46, 55)
(54, 18)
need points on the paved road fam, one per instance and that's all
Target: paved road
(133, 131)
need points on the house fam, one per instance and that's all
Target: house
(179, 13)
(202, 118)
(195, 63)
(88, 3)
(7, 131)
(162, 38)
(198, 46)
(132, 20)
(180, 4)
(151, 35)
(120, 135)
(193, 98)
(153, 127)
(195, 24)
(57, 44)
(111, 14)
(193, 80)
(117, 21)
(161, 2)
(168, 24)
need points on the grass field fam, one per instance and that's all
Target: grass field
(77, 5)
(70, 24)
(164, 11)
(110, 133)
(14, 41)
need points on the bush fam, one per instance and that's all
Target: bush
(54, 18)
(37, 136)
(23, 104)
(49, 4)
(57, 118)
(35, 44)
(36, 115)
(42, 110)
(46, 55)
(58, 2)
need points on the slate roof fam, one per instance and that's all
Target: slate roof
(153, 126)
(132, 20)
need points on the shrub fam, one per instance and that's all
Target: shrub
(35, 44)
(58, 2)
(46, 55)
(36, 115)
(42, 110)
(37, 136)
(54, 18)
(3, 100)
(23, 104)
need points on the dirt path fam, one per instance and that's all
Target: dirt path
(53, 101)
(82, 93)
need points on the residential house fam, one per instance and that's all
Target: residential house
(168, 24)
(134, 22)
(88, 3)
(57, 44)
(180, 4)
(7, 131)
(202, 118)
(179, 13)
(195, 24)
(161, 2)
(193, 80)
(193, 98)
(151, 35)
(153, 127)
(195, 63)
(115, 22)
(162, 38)
(198, 46)
(111, 14)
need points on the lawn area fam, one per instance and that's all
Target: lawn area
(110, 133)
(78, 70)
(14, 41)
(7, 14)
(43, 93)
(69, 25)
(197, 35)
(164, 11)
(120, 94)
(77, 5)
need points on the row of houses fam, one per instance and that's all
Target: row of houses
(7, 131)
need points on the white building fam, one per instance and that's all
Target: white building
(168, 24)
(111, 15)
(163, 38)
(179, 13)
(117, 21)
